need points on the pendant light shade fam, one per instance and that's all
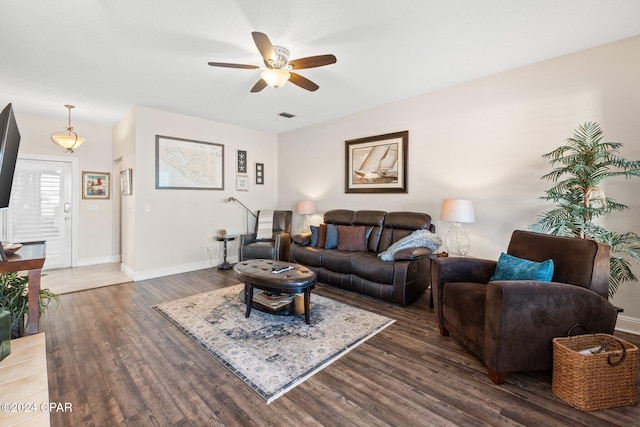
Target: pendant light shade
(67, 139)
(275, 77)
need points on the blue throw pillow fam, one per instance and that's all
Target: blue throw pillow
(315, 231)
(514, 268)
(332, 237)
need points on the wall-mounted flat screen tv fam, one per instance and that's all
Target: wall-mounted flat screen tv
(9, 144)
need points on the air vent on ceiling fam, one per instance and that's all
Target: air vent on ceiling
(287, 115)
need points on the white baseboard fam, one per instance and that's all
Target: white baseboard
(93, 261)
(129, 272)
(628, 324)
(175, 269)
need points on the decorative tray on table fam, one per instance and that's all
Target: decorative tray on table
(11, 248)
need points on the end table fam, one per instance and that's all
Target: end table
(224, 239)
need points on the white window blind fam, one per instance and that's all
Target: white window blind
(34, 208)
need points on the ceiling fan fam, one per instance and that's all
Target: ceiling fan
(278, 69)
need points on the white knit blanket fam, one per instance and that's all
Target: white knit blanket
(417, 239)
(265, 224)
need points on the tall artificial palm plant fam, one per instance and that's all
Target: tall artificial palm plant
(580, 167)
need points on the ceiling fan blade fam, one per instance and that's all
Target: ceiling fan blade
(312, 61)
(260, 84)
(264, 46)
(303, 82)
(227, 65)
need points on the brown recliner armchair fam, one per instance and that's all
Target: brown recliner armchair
(277, 247)
(510, 324)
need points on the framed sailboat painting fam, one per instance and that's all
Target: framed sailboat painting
(377, 164)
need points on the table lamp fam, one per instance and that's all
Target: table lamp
(306, 208)
(457, 211)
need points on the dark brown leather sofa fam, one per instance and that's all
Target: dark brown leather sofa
(510, 324)
(400, 281)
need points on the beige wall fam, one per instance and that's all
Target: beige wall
(124, 155)
(94, 240)
(171, 237)
(483, 141)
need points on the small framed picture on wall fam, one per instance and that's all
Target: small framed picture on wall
(259, 173)
(242, 183)
(95, 185)
(125, 182)
(242, 161)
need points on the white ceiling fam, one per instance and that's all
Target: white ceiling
(105, 56)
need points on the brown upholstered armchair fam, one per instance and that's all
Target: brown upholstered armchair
(276, 247)
(510, 324)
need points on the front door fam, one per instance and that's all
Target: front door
(41, 207)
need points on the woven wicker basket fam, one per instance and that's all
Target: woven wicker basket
(595, 381)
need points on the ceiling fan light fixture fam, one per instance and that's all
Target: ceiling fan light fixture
(68, 139)
(275, 77)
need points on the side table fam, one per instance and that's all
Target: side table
(30, 257)
(224, 239)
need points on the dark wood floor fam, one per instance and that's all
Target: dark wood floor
(119, 362)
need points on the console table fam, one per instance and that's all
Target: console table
(30, 257)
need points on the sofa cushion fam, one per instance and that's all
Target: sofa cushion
(259, 250)
(332, 237)
(322, 235)
(307, 255)
(338, 261)
(339, 217)
(368, 266)
(373, 222)
(401, 224)
(510, 267)
(351, 238)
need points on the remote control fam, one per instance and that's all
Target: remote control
(278, 270)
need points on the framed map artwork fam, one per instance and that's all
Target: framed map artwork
(189, 165)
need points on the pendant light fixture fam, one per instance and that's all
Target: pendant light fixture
(68, 139)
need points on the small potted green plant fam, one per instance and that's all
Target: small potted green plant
(581, 166)
(14, 298)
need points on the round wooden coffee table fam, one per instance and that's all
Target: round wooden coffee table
(258, 273)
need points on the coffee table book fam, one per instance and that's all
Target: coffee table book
(272, 302)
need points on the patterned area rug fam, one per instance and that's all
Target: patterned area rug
(271, 354)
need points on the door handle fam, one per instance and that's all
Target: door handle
(67, 208)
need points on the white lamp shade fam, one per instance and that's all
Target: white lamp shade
(306, 207)
(275, 77)
(455, 210)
